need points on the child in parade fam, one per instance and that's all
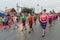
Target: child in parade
(30, 21)
(43, 19)
(50, 19)
(0, 20)
(35, 18)
(23, 18)
(9, 20)
(15, 22)
(5, 21)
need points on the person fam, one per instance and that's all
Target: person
(56, 16)
(35, 18)
(53, 18)
(23, 21)
(39, 19)
(30, 21)
(50, 19)
(0, 20)
(9, 20)
(44, 19)
(5, 21)
(15, 22)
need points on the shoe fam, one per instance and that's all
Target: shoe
(22, 30)
(25, 29)
(14, 28)
(32, 29)
(43, 35)
(9, 27)
(29, 32)
(17, 27)
(5, 28)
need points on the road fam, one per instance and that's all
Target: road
(52, 33)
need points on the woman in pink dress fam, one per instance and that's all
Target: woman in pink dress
(44, 19)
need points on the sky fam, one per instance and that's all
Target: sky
(45, 4)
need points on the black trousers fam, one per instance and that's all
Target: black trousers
(5, 23)
(23, 21)
(30, 24)
(35, 20)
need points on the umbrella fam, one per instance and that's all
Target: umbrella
(2, 14)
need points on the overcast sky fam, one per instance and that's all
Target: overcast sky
(46, 4)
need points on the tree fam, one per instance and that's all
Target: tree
(59, 12)
(53, 10)
(26, 10)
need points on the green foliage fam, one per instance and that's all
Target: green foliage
(26, 10)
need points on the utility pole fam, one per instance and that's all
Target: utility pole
(17, 7)
(38, 8)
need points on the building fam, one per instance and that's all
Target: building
(10, 11)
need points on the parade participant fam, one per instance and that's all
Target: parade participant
(15, 22)
(23, 18)
(50, 19)
(9, 20)
(44, 19)
(39, 19)
(35, 18)
(30, 21)
(5, 21)
(53, 17)
(56, 16)
(0, 20)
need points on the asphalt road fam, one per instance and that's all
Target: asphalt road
(52, 33)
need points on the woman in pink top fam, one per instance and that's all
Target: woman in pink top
(50, 19)
(39, 19)
(56, 16)
(44, 19)
(53, 17)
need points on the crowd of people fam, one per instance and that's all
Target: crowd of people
(30, 18)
